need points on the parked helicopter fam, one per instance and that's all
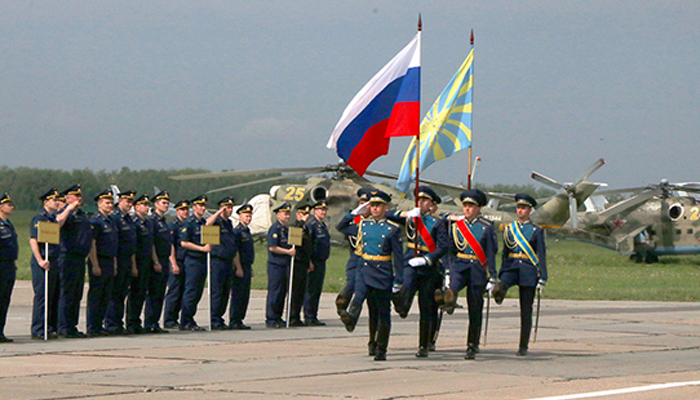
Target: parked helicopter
(340, 189)
(661, 219)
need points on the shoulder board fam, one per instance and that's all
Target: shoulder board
(392, 223)
(436, 215)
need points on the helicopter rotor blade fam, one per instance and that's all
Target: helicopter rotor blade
(546, 180)
(240, 185)
(226, 174)
(573, 211)
(593, 168)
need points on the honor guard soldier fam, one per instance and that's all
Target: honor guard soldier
(176, 278)
(302, 262)
(348, 226)
(158, 277)
(126, 262)
(279, 255)
(426, 235)
(76, 242)
(379, 246)
(243, 261)
(222, 262)
(8, 255)
(40, 265)
(319, 251)
(144, 260)
(473, 247)
(101, 263)
(524, 264)
(195, 263)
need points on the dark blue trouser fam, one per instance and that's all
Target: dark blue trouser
(276, 290)
(299, 285)
(38, 279)
(173, 297)
(314, 288)
(379, 302)
(527, 298)
(99, 293)
(8, 274)
(137, 291)
(195, 277)
(221, 271)
(71, 270)
(155, 294)
(475, 302)
(240, 294)
(350, 272)
(114, 318)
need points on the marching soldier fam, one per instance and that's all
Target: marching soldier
(158, 277)
(176, 278)
(138, 285)
(195, 263)
(222, 262)
(524, 264)
(473, 247)
(126, 263)
(379, 245)
(101, 263)
(319, 251)
(279, 255)
(245, 256)
(348, 226)
(427, 243)
(40, 265)
(8, 255)
(302, 264)
(76, 242)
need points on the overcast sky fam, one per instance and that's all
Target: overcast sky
(260, 84)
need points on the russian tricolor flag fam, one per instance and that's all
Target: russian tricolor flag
(388, 105)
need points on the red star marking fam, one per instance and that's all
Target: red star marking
(618, 222)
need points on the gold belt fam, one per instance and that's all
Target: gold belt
(518, 255)
(376, 258)
(412, 245)
(467, 256)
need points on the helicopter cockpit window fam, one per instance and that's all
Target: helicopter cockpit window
(675, 211)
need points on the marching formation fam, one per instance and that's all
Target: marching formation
(444, 254)
(140, 265)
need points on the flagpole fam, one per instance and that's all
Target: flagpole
(415, 195)
(469, 150)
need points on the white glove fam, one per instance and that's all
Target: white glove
(540, 285)
(490, 286)
(360, 209)
(417, 262)
(413, 213)
(396, 288)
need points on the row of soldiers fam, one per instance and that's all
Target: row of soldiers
(444, 254)
(131, 260)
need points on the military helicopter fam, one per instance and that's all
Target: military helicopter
(340, 189)
(660, 219)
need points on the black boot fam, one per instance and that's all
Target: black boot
(350, 317)
(450, 301)
(471, 351)
(383, 332)
(401, 302)
(341, 303)
(434, 328)
(423, 338)
(499, 292)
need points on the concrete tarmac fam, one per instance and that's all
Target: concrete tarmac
(584, 349)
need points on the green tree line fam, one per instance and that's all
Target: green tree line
(25, 184)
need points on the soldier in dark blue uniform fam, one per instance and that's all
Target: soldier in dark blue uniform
(302, 262)
(279, 255)
(319, 251)
(195, 263)
(158, 277)
(379, 245)
(243, 261)
(8, 255)
(101, 263)
(76, 241)
(145, 258)
(222, 262)
(40, 266)
(126, 263)
(473, 250)
(176, 278)
(524, 264)
(348, 226)
(427, 242)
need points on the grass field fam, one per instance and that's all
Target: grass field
(577, 271)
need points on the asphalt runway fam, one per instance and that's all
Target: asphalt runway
(584, 349)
